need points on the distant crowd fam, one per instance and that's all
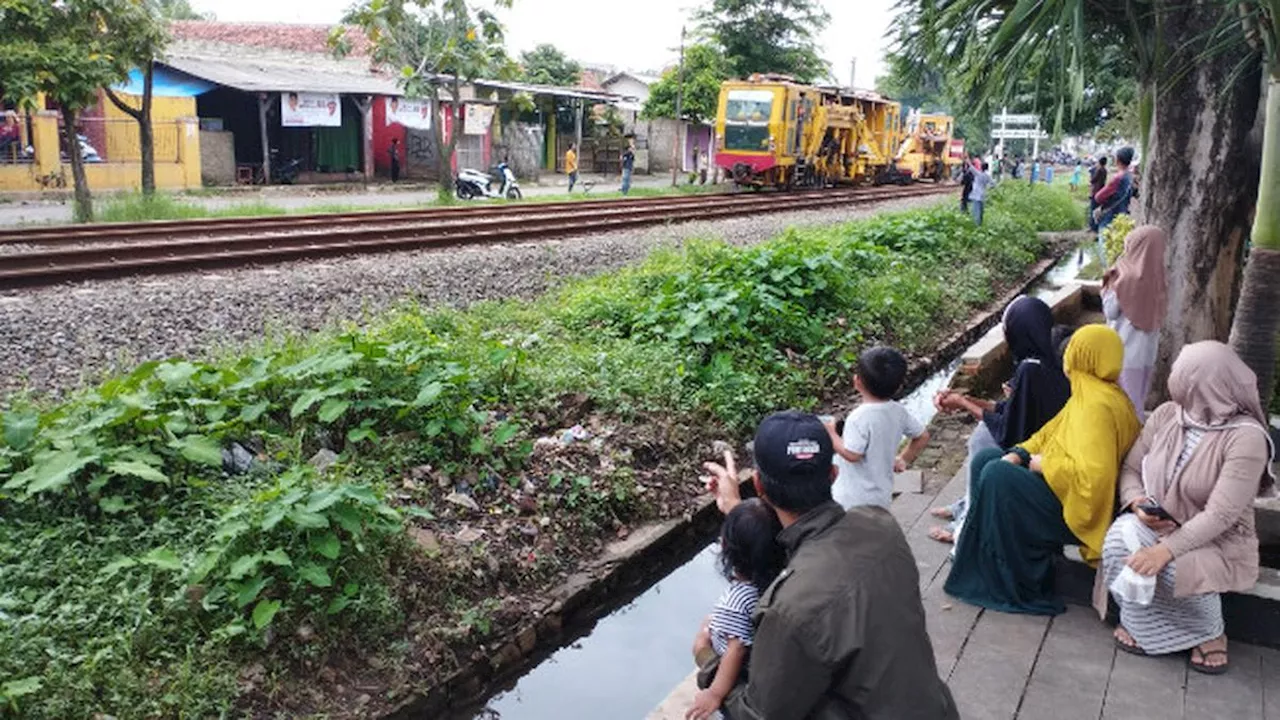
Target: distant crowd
(1109, 196)
(823, 617)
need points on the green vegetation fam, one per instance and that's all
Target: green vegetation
(698, 88)
(547, 65)
(136, 207)
(1114, 234)
(767, 36)
(146, 571)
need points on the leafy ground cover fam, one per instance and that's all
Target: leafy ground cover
(328, 524)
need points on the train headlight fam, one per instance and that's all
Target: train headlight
(772, 145)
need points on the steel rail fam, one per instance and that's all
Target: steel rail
(114, 232)
(27, 269)
(101, 233)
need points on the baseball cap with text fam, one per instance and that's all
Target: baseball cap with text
(793, 445)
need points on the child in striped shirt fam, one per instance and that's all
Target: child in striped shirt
(750, 558)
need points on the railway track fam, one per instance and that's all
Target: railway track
(113, 250)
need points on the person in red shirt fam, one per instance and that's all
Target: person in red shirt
(1113, 198)
(10, 133)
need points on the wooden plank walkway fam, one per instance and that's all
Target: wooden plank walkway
(1006, 667)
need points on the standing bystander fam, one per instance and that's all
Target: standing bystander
(982, 182)
(395, 159)
(1097, 179)
(1113, 199)
(628, 164)
(571, 165)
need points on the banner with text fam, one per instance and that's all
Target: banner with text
(414, 114)
(478, 119)
(300, 109)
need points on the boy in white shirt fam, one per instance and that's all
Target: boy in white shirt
(867, 452)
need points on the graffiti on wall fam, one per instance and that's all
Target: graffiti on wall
(421, 155)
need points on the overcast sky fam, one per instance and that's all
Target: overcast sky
(645, 39)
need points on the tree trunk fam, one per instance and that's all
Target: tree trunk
(146, 133)
(1253, 335)
(444, 170)
(83, 201)
(1200, 180)
(446, 152)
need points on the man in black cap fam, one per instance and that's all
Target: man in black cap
(841, 632)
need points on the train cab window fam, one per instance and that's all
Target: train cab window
(746, 119)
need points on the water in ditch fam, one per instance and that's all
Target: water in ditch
(635, 656)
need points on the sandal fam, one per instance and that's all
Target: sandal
(943, 513)
(1126, 647)
(941, 534)
(1203, 668)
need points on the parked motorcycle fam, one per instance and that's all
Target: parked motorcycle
(477, 184)
(283, 172)
(87, 152)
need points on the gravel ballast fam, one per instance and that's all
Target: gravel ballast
(54, 339)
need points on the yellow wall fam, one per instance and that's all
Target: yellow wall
(177, 167)
(122, 130)
(17, 178)
(128, 176)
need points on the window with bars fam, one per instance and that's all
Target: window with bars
(471, 152)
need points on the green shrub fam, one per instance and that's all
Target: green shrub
(1038, 206)
(1114, 234)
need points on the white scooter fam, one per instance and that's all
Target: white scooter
(476, 184)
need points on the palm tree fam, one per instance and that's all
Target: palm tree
(1200, 93)
(1257, 321)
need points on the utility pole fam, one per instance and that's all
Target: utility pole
(677, 149)
(1004, 112)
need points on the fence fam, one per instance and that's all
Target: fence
(38, 159)
(599, 154)
(116, 140)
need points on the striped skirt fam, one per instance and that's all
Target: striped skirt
(1168, 624)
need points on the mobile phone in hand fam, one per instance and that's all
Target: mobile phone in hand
(1153, 509)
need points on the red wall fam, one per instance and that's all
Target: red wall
(383, 134)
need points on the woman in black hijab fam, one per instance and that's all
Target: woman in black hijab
(1036, 393)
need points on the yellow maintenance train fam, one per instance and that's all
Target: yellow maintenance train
(774, 132)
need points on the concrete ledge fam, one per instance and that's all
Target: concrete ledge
(678, 702)
(1252, 617)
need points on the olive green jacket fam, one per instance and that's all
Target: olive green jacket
(841, 632)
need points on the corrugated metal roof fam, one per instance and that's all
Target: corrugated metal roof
(254, 76)
(256, 69)
(263, 70)
(596, 95)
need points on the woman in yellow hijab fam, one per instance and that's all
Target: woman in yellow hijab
(1058, 488)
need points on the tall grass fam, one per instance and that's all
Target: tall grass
(140, 208)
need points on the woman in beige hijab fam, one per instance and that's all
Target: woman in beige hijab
(1189, 483)
(1134, 298)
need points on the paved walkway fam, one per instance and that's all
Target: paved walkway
(1002, 666)
(297, 198)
